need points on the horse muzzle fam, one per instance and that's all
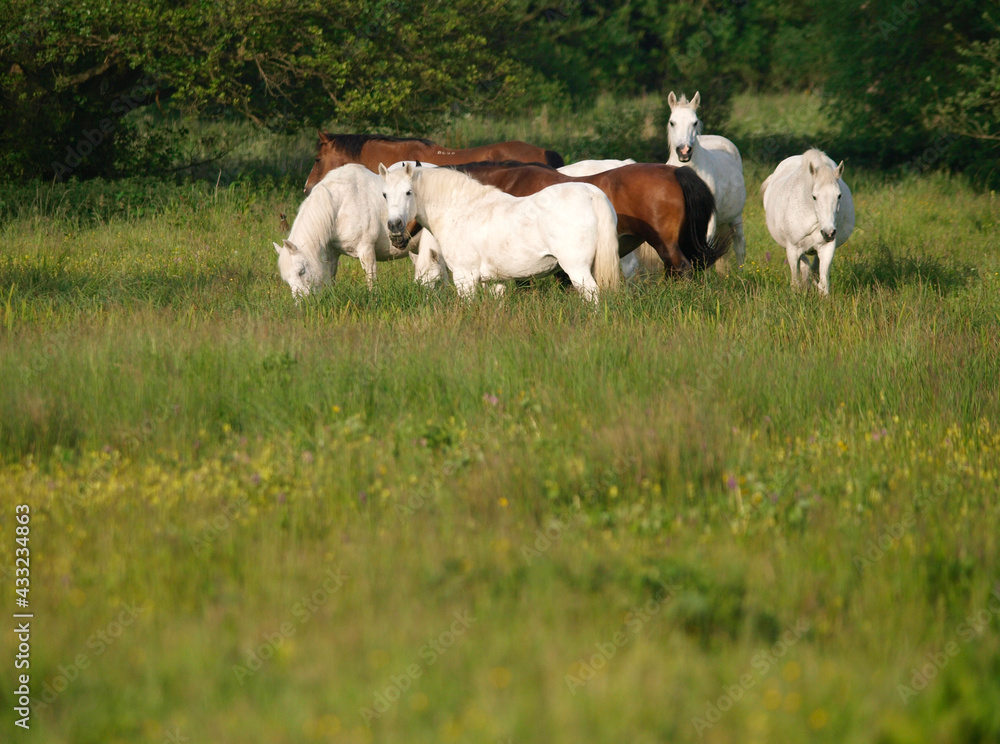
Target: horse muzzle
(399, 240)
(684, 153)
(828, 235)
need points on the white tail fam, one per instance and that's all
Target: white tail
(607, 271)
(649, 260)
(763, 186)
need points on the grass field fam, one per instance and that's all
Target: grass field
(712, 510)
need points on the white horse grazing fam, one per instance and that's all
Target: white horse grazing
(719, 164)
(810, 212)
(486, 235)
(592, 167)
(344, 214)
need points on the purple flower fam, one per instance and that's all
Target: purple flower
(491, 399)
(732, 483)
(767, 256)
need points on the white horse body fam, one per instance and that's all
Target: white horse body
(486, 235)
(344, 214)
(630, 263)
(810, 212)
(717, 160)
(592, 167)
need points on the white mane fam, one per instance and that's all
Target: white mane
(439, 185)
(314, 224)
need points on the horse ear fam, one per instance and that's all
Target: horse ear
(290, 246)
(840, 170)
(323, 136)
(812, 168)
(408, 168)
(696, 100)
(671, 99)
(382, 170)
(277, 248)
(416, 164)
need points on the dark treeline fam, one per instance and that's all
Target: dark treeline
(901, 75)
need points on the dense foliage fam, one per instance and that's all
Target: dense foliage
(907, 74)
(900, 74)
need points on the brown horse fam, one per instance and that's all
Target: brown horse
(667, 207)
(335, 150)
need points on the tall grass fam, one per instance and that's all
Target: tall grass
(711, 510)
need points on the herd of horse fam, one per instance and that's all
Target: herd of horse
(515, 211)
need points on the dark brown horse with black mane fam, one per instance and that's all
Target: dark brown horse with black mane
(667, 207)
(335, 150)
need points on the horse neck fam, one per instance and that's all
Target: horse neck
(387, 153)
(314, 226)
(447, 191)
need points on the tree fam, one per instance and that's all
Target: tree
(69, 72)
(897, 67)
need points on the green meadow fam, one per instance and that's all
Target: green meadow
(711, 510)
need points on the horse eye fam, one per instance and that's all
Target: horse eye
(302, 271)
(409, 193)
(385, 196)
(671, 123)
(839, 195)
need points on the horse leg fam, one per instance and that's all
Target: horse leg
(367, 257)
(739, 241)
(825, 259)
(795, 264)
(332, 263)
(585, 284)
(675, 263)
(497, 289)
(465, 283)
(630, 264)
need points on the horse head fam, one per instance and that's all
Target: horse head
(684, 126)
(400, 200)
(328, 157)
(826, 192)
(299, 270)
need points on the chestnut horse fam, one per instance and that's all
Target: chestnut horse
(335, 150)
(667, 207)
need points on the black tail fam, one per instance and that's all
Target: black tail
(699, 204)
(553, 159)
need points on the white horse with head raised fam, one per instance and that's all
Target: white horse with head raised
(344, 215)
(717, 161)
(486, 235)
(810, 212)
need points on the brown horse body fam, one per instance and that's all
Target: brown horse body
(335, 150)
(667, 207)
